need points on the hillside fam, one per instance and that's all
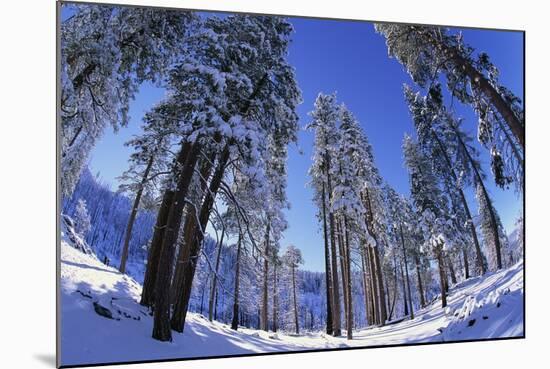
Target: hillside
(101, 320)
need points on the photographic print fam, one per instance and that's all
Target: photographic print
(242, 184)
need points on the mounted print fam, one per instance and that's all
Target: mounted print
(241, 184)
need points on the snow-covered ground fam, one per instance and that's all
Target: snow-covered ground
(479, 308)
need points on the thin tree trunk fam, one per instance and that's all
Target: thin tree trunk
(377, 265)
(405, 261)
(451, 270)
(368, 302)
(328, 278)
(349, 313)
(404, 288)
(215, 277)
(471, 225)
(442, 279)
(336, 329)
(274, 293)
(235, 320)
(487, 199)
(343, 268)
(420, 286)
(374, 285)
(133, 214)
(265, 296)
(295, 301)
(466, 265)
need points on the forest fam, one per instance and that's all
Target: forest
(198, 217)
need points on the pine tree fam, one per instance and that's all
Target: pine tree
(106, 53)
(324, 121)
(82, 218)
(440, 143)
(427, 51)
(292, 259)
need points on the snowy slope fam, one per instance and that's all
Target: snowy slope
(88, 287)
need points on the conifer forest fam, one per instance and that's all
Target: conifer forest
(239, 183)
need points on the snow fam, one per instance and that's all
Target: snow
(87, 337)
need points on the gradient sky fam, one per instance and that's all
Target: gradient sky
(350, 58)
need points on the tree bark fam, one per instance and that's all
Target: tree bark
(366, 288)
(215, 277)
(150, 277)
(349, 313)
(374, 286)
(328, 278)
(235, 320)
(343, 269)
(182, 301)
(184, 259)
(274, 293)
(295, 301)
(442, 279)
(419, 276)
(336, 330)
(161, 327)
(466, 265)
(405, 261)
(265, 296)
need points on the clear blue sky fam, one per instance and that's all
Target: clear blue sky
(350, 58)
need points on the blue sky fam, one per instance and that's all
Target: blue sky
(350, 58)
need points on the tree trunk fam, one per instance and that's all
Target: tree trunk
(133, 214)
(215, 277)
(327, 265)
(419, 276)
(336, 330)
(265, 296)
(478, 79)
(377, 264)
(451, 270)
(295, 302)
(487, 199)
(150, 277)
(184, 259)
(479, 255)
(404, 288)
(366, 289)
(466, 265)
(274, 293)
(343, 269)
(349, 313)
(235, 320)
(442, 279)
(374, 286)
(182, 302)
(161, 327)
(409, 295)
